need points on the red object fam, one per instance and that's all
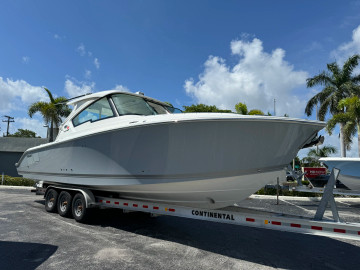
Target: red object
(250, 219)
(314, 172)
(275, 223)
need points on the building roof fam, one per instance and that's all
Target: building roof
(17, 144)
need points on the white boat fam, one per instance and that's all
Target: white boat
(349, 170)
(135, 147)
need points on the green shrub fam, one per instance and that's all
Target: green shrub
(285, 192)
(17, 181)
(305, 182)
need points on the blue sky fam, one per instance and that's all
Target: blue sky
(184, 52)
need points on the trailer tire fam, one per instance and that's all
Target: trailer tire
(51, 200)
(79, 210)
(64, 204)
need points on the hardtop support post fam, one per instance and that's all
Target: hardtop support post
(328, 197)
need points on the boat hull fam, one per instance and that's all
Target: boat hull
(349, 170)
(205, 163)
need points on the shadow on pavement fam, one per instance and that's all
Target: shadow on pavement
(20, 255)
(266, 247)
(40, 202)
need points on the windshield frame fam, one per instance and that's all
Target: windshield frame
(166, 107)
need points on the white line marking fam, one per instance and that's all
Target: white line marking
(344, 203)
(302, 208)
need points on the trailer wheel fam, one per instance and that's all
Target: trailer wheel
(64, 204)
(51, 200)
(79, 210)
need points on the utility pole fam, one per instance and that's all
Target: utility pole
(274, 107)
(9, 120)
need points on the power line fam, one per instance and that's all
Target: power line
(9, 120)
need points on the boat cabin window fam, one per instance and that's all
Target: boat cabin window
(157, 108)
(173, 109)
(130, 105)
(100, 109)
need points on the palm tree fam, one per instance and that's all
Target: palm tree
(338, 83)
(52, 111)
(314, 155)
(351, 116)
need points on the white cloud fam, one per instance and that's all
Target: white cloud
(87, 74)
(314, 46)
(81, 49)
(32, 124)
(16, 94)
(348, 49)
(256, 79)
(76, 88)
(25, 59)
(122, 88)
(97, 63)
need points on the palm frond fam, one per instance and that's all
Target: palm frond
(335, 69)
(327, 150)
(356, 79)
(336, 119)
(36, 107)
(324, 107)
(349, 132)
(321, 79)
(349, 65)
(50, 95)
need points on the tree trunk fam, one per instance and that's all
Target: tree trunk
(342, 140)
(51, 139)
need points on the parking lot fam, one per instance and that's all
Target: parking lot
(32, 238)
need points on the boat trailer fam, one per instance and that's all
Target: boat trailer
(230, 215)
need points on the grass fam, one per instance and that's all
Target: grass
(17, 181)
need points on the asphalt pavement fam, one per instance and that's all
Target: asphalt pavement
(31, 238)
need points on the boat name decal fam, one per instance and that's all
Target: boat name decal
(212, 215)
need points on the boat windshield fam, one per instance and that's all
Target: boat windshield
(129, 104)
(173, 109)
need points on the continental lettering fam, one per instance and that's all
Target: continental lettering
(214, 215)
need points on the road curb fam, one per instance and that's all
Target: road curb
(16, 187)
(312, 199)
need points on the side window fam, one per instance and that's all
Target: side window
(99, 110)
